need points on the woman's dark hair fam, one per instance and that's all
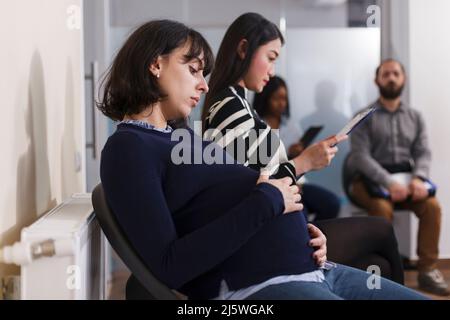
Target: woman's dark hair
(129, 86)
(261, 101)
(229, 67)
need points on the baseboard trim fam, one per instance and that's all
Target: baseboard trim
(442, 263)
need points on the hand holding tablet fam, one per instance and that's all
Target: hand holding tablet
(309, 135)
(320, 154)
(356, 120)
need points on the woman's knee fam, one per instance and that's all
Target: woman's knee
(324, 203)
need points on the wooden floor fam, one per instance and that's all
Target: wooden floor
(119, 278)
(411, 279)
(116, 287)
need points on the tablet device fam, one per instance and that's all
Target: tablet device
(310, 135)
(357, 119)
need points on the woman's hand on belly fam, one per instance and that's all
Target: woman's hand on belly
(319, 242)
(291, 194)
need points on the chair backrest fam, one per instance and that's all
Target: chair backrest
(125, 250)
(347, 178)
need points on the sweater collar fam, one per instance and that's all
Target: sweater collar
(147, 125)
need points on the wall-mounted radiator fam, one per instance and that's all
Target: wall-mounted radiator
(78, 275)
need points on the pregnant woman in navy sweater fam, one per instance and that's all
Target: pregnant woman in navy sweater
(209, 229)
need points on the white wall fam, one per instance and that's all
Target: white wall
(416, 33)
(395, 35)
(429, 79)
(42, 140)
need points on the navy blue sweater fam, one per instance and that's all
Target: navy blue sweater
(197, 224)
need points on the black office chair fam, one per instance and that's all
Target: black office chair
(392, 264)
(142, 284)
(347, 179)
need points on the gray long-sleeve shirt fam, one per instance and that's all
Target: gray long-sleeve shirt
(389, 138)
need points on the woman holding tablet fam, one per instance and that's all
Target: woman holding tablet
(272, 105)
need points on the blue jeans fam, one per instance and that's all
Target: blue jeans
(341, 283)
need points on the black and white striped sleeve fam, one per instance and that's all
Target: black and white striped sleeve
(232, 124)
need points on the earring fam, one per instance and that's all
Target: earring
(157, 75)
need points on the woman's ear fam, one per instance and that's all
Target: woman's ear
(242, 48)
(155, 67)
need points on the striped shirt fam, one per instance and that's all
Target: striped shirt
(235, 126)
